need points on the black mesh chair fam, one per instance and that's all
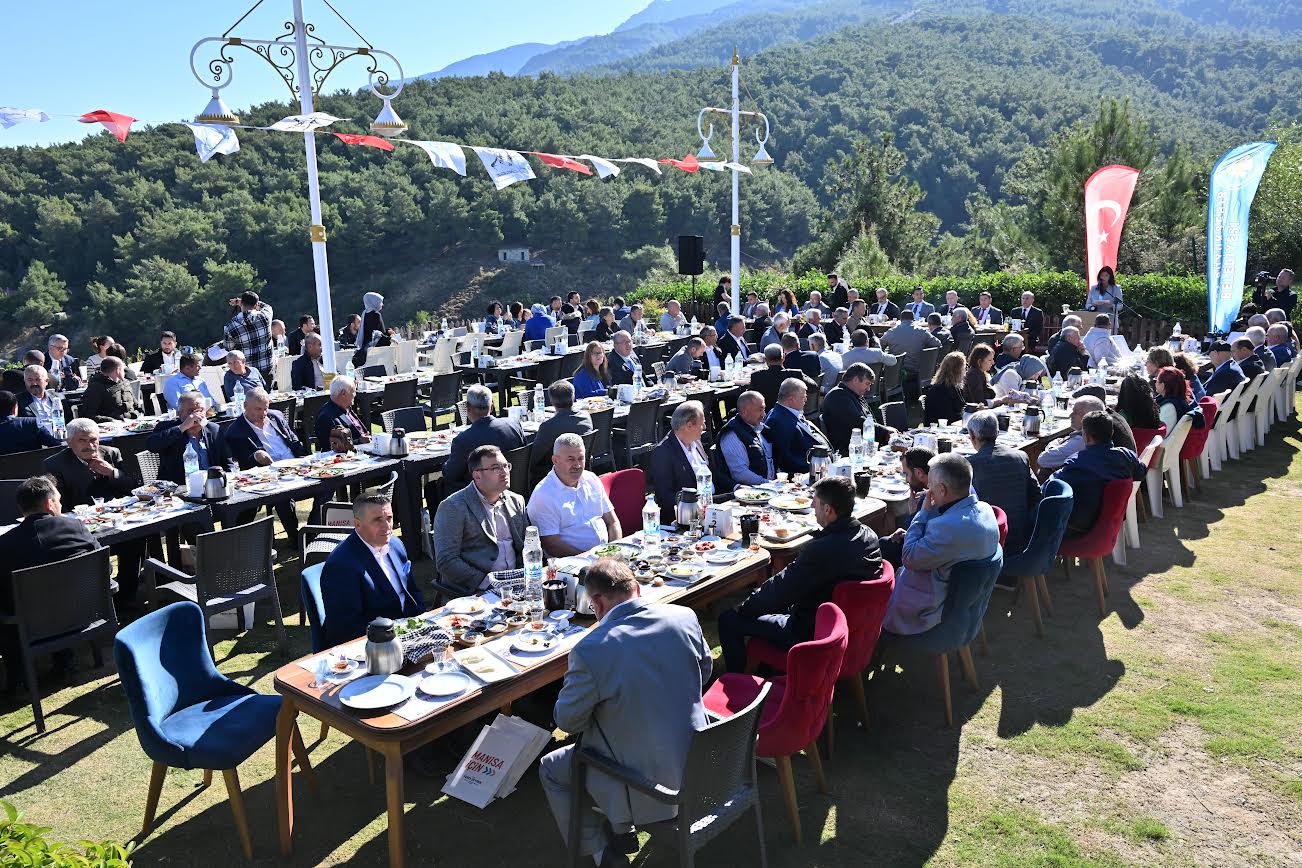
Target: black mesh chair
(895, 415)
(148, 463)
(407, 418)
(890, 382)
(718, 788)
(641, 431)
(312, 405)
(570, 364)
(601, 454)
(927, 364)
(373, 371)
(289, 407)
(9, 513)
(232, 567)
(519, 460)
(650, 355)
(57, 606)
(400, 394)
(21, 465)
(545, 372)
(444, 393)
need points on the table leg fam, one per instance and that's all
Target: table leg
(286, 725)
(394, 795)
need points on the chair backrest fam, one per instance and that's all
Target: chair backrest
(1230, 405)
(283, 373)
(627, 492)
(1174, 443)
(602, 421)
(385, 489)
(1051, 516)
(148, 463)
(1101, 538)
(400, 394)
(21, 465)
(1144, 435)
(312, 405)
(650, 354)
(548, 371)
(642, 426)
(970, 585)
(570, 364)
(927, 364)
(215, 377)
(1196, 440)
(519, 459)
(309, 590)
(864, 605)
(1150, 449)
(405, 356)
(65, 596)
(895, 415)
(813, 668)
(443, 354)
(407, 418)
(720, 765)
(890, 381)
(556, 333)
(234, 559)
(337, 514)
(372, 370)
(289, 408)
(1001, 519)
(379, 361)
(511, 342)
(8, 500)
(444, 391)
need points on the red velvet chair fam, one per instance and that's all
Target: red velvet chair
(627, 491)
(1098, 543)
(864, 605)
(1191, 453)
(1001, 519)
(1144, 435)
(798, 703)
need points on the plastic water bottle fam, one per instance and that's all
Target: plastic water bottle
(856, 449)
(1048, 405)
(191, 460)
(705, 485)
(443, 325)
(1057, 384)
(651, 526)
(239, 395)
(350, 370)
(537, 402)
(56, 417)
(1103, 372)
(696, 326)
(869, 435)
(533, 560)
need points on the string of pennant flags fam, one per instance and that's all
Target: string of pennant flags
(504, 166)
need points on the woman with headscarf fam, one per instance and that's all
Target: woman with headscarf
(372, 333)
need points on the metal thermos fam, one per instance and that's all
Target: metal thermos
(383, 650)
(398, 443)
(215, 485)
(820, 460)
(688, 508)
(1031, 422)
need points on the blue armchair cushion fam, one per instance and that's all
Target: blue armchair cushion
(970, 586)
(309, 588)
(222, 732)
(1050, 524)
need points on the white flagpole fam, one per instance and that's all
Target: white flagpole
(736, 160)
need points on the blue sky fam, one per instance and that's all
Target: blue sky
(133, 56)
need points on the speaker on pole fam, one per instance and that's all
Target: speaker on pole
(691, 254)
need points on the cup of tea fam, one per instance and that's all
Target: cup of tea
(554, 595)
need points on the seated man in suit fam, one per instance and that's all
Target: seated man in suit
(861, 350)
(305, 372)
(920, 306)
(190, 428)
(752, 302)
(732, 340)
(1032, 320)
(952, 526)
(259, 437)
(838, 328)
(87, 470)
(485, 429)
(21, 434)
(633, 692)
(1002, 477)
(1068, 352)
(986, 313)
(166, 358)
(1090, 470)
(570, 506)
(39, 400)
(883, 305)
(240, 375)
(1242, 355)
(951, 303)
(64, 369)
(936, 328)
(565, 420)
(679, 457)
(915, 462)
(44, 536)
(1278, 343)
(338, 412)
(688, 359)
(368, 575)
(781, 323)
(623, 362)
(845, 408)
(911, 339)
(813, 325)
(480, 529)
(768, 380)
(781, 610)
(796, 359)
(789, 431)
(743, 456)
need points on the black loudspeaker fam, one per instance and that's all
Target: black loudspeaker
(691, 254)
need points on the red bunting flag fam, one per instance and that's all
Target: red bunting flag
(687, 163)
(557, 161)
(118, 125)
(369, 141)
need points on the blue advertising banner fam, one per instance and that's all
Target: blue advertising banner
(1229, 199)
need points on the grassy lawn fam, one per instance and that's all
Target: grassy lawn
(1165, 734)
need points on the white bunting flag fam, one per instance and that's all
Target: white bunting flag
(641, 161)
(444, 155)
(505, 167)
(721, 166)
(303, 123)
(605, 168)
(210, 139)
(10, 117)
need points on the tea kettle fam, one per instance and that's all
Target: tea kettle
(820, 460)
(398, 443)
(214, 488)
(576, 593)
(1031, 422)
(383, 650)
(688, 509)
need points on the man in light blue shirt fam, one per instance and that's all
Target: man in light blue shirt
(187, 379)
(744, 458)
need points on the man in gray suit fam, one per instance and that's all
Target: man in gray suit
(911, 339)
(688, 359)
(1002, 477)
(481, 527)
(920, 306)
(630, 322)
(860, 352)
(633, 693)
(566, 420)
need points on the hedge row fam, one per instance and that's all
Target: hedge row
(1159, 296)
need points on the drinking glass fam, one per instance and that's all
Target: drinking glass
(99, 504)
(322, 671)
(754, 542)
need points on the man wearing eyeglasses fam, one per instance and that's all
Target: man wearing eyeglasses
(480, 529)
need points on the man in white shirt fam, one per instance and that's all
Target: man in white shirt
(570, 507)
(986, 313)
(38, 401)
(63, 368)
(712, 356)
(1055, 455)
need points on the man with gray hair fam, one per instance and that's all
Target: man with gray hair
(1069, 352)
(688, 359)
(791, 434)
(1277, 343)
(37, 400)
(813, 325)
(1069, 320)
(485, 429)
(775, 331)
(672, 319)
(952, 526)
(240, 375)
(633, 322)
(190, 428)
(679, 457)
(1002, 477)
(565, 420)
(1057, 453)
(570, 507)
(64, 370)
(338, 413)
(742, 455)
(1257, 334)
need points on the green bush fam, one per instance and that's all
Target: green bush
(25, 844)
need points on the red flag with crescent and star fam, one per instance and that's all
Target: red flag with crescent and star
(1107, 198)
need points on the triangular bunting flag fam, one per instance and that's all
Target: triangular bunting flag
(444, 155)
(369, 141)
(720, 166)
(559, 161)
(210, 139)
(505, 167)
(13, 116)
(687, 163)
(118, 125)
(303, 123)
(641, 161)
(605, 168)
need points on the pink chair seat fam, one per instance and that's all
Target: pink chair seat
(627, 492)
(1103, 535)
(1001, 519)
(1143, 436)
(1196, 439)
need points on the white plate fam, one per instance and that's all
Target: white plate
(533, 642)
(466, 606)
(445, 684)
(377, 691)
(723, 557)
(684, 571)
(752, 496)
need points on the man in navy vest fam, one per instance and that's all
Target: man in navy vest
(743, 456)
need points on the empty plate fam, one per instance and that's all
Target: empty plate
(377, 691)
(445, 684)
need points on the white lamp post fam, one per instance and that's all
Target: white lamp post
(303, 61)
(733, 116)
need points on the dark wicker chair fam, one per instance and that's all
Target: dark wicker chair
(232, 567)
(718, 788)
(890, 381)
(21, 465)
(601, 453)
(312, 405)
(641, 430)
(519, 459)
(407, 418)
(444, 393)
(57, 606)
(289, 407)
(896, 415)
(148, 463)
(927, 364)
(9, 513)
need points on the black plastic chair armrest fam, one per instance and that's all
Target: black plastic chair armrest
(633, 778)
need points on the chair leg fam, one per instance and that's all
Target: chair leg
(817, 762)
(942, 669)
(325, 730)
(151, 801)
(1032, 600)
(860, 697)
(97, 655)
(1043, 596)
(237, 808)
(281, 635)
(759, 831)
(1100, 585)
(370, 766)
(33, 689)
(207, 778)
(969, 667)
(829, 730)
(304, 761)
(985, 646)
(788, 784)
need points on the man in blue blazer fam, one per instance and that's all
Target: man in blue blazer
(789, 431)
(678, 457)
(367, 576)
(21, 434)
(261, 436)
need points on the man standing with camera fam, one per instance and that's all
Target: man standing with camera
(249, 331)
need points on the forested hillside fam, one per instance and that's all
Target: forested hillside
(125, 237)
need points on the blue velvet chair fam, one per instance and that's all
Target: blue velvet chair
(186, 713)
(1030, 565)
(970, 586)
(309, 590)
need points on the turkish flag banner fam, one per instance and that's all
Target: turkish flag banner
(1107, 198)
(118, 125)
(687, 163)
(559, 161)
(369, 141)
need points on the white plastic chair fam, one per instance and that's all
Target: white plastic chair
(406, 356)
(510, 345)
(215, 377)
(1168, 465)
(1225, 433)
(283, 376)
(1248, 417)
(380, 356)
(1129, 538)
